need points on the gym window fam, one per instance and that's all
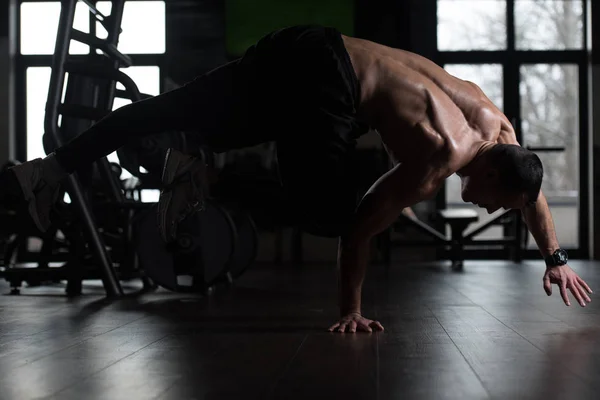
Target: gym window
(530, 58)
(143, 38)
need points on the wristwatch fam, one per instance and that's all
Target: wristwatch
(559, 257)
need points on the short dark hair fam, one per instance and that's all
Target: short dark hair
(520, 170)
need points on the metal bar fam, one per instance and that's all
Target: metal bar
(585, 155)
(124, 94)
(547, 149)
(109, 48)
(108, 73)
(482, 242)
(45, 60)
(94, 10)
(113, 27)
(524, 56)
(510, 25)
(57, 80)
(82, 112)
(417, 243)
(98, 16)
(423, 227)
(485, 226)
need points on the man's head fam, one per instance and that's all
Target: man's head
(505, 176)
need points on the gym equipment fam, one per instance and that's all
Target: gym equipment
(99, 247)
(214, 245)
(198, 259)
(458, 220)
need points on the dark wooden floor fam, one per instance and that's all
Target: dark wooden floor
(488, 332)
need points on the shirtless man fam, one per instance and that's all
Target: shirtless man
(314, 91)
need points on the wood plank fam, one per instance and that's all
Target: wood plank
(486, 332)
(330, 365)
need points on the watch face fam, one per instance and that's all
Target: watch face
(561, 256)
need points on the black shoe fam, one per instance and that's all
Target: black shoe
(185, 186)
(25, 184)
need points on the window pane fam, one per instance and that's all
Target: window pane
(489, 77)
(550, 118)
(143, 27)
(38, 81)
(548, 24)
(39, 25)
(471, 24)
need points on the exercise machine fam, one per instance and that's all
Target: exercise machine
(87, 248)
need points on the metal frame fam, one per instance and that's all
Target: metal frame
(23, 62)
(61, 62)
(511, 60)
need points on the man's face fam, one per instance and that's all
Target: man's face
(485, 191)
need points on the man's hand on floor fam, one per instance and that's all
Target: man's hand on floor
(566, 278)
(353, 322)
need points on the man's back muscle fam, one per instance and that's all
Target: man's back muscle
(417, 107)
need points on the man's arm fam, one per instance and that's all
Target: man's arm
(540, 224)
(539, 221)
(402, 186)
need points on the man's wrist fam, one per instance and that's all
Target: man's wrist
(557, 258)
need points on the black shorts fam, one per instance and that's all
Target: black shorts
(316, 139)
(296, 87)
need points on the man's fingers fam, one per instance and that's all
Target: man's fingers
(582, 291)
(584, 285)
(547, 285)
(364, 326)
(563, 292)
(352, 327)
(376, 325)
(575, 290)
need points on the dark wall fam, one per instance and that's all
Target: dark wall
(408, 24)
(195, 37)
(385, 22)
(595, 36)
(5, 87)
(197, 29)
(4, 18)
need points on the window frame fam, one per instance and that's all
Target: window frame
(25, 61)
(511, 60)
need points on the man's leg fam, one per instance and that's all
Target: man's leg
(169, 111)
(204, 104)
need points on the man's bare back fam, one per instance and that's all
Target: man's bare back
(416, 106)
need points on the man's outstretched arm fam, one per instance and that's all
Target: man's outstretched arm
(400, 187)
(539, 221)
